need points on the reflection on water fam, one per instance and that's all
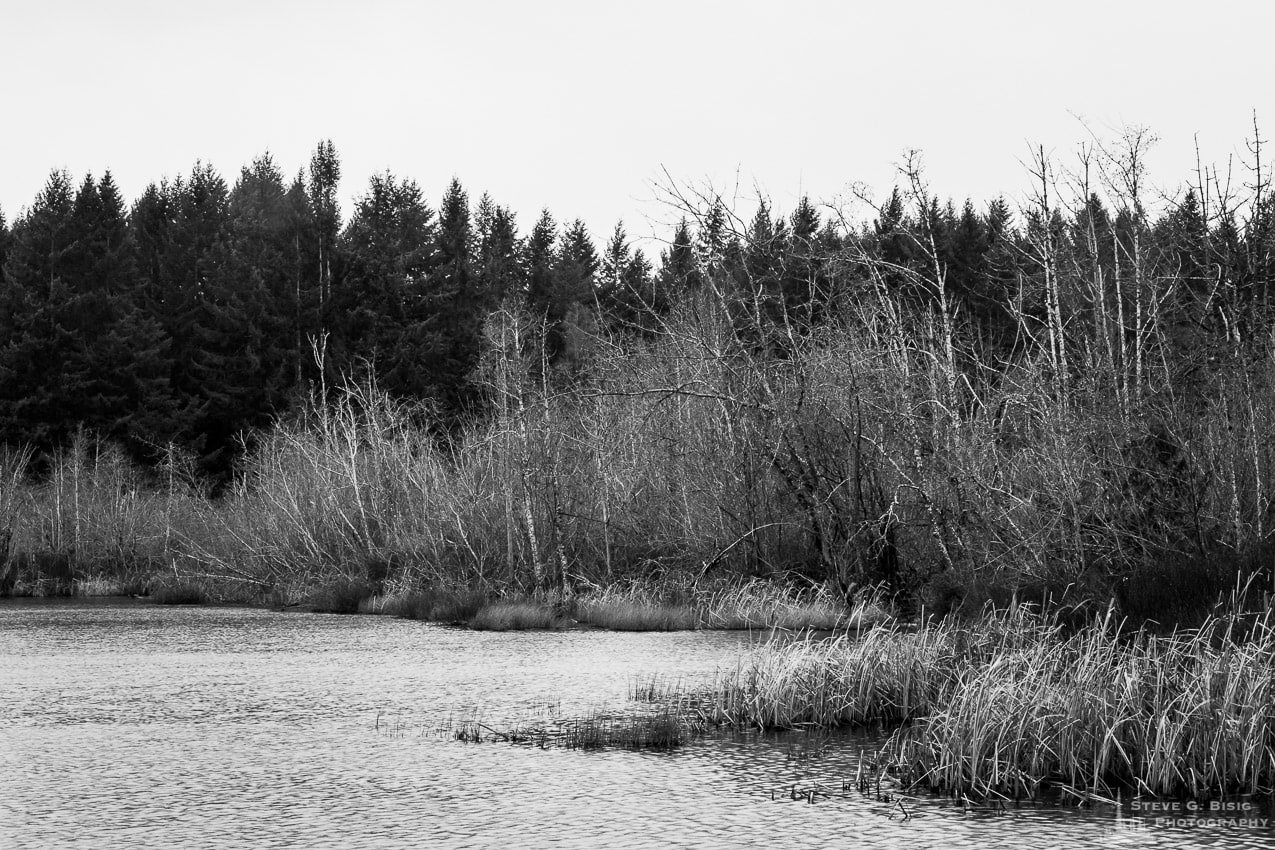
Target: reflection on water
(127, 725)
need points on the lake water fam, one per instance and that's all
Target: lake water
(137, 726)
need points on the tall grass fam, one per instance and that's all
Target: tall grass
(516, 615)
(670, 605)
(1190, 715)
(1014, 703)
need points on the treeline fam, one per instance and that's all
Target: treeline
(196, 314)
(1070, 396)
(204, 310)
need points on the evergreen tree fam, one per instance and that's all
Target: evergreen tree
(574, 300)
(640, 283)
(965, 255)
(81, 352)
(33, 337)
(897, 249)
(627, 293)
(304, 239)
(713, 248)
(325, 175)
(448, 335)
(388, 246)
(1184, 236)
(759, 277)
(805, 284)
(678, 273)
(497, 262)
(240, 368)
(540, 257)
(200, 230)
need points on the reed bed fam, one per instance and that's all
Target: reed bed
(888, 675)
(764, 605)
(635, 616)
(672, 606)
(1191, 714)
(431, 604)
(1012, 705)
(516, 615)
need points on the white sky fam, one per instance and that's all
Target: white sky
(578, 106)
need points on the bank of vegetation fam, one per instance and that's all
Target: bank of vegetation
(1015, 705)
(231, 393)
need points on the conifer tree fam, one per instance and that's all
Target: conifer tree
(622, 295)
(540, 261)
(449, 334)
(614, 263)
(33, 335)
(897, 248)
(81, 352)
(805, 285)
(325, 176)
(497, 254)
(642, 290)
(387, 247)
(239, 368)
(303, 246)
(712, 247)
(678, 274)
(573, 300)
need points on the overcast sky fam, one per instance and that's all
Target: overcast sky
(580, 106)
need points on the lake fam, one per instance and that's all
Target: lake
(124, 724)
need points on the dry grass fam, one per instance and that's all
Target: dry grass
(632, 616)
(517, 615)
(1191, 714)
(764, 605)
(340, 596)
(431, 604)
(672, 605)
(111, 585)
(1012, 704)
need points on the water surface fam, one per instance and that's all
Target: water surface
(131, 725)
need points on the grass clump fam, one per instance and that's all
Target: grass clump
(638, 607)
(341, 596)
(101, 584)
(179, 593)
(435, 605)
(633, 616)
(516, 615)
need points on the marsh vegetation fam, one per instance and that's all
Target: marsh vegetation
(1017, 706)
